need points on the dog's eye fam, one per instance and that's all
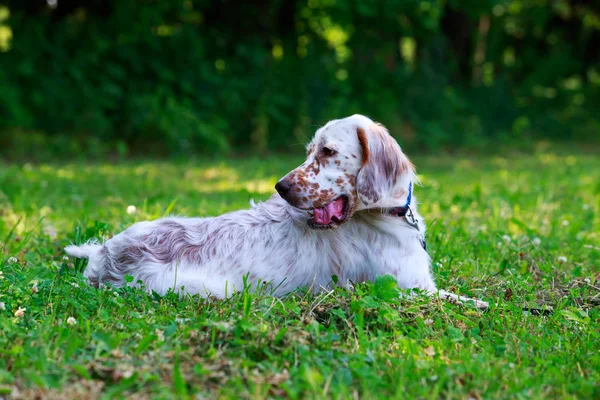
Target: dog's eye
(328, 152)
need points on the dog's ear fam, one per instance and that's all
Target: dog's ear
(386, 172)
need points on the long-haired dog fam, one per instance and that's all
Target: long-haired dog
(348, 211)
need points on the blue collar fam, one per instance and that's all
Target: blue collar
(401, 211)
(408, 215)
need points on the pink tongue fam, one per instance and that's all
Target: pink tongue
(323, 215)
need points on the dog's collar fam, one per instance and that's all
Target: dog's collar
(407, 212)
(404, 210)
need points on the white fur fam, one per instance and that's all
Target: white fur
(272, 242)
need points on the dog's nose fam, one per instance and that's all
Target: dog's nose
(283, 187)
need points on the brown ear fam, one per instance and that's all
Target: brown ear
(383, 166)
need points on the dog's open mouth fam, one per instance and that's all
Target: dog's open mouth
(331, 215)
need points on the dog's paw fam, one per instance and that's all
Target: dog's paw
(482, 305)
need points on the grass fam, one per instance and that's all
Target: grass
(518, 232)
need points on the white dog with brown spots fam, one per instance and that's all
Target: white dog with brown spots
(347, 211)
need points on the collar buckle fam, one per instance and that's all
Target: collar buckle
(406, 211)
(410, 218)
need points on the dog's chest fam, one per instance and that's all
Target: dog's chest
(354, 255)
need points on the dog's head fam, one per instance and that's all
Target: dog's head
(353, 164)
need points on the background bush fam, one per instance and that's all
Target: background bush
(176, 77)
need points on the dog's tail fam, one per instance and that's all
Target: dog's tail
(96, 254)
(83, 251)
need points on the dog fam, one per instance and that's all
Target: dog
(348, 211)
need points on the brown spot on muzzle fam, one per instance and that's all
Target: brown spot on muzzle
(314, 167)
(299, 182)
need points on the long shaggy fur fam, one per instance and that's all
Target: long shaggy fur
(272, 243)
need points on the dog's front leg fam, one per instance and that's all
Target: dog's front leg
(483, 305)
(414, 273)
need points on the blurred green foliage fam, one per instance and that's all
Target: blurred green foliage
(195, 76)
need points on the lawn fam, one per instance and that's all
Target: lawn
(520, 231)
